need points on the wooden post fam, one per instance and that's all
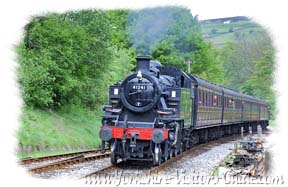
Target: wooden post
(235, 148)
(259, 131)
(250, 130)
(189, 64)
(242, 132)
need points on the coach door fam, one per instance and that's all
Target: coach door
(192, 98)
(186, 102)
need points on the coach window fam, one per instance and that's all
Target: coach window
(206, 98)
(203, 97)
(211, 99)
(213, 103)
(200, 97)
(214, 100)
(227, 102)
(230, 103)
(238, 104)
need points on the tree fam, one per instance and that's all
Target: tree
(249, 64)
(214, 31)
(147, 27)
(189, 45)
(261, 80)
(239, 57)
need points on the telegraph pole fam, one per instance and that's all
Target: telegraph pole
(189, 62)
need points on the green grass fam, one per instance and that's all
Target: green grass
(71, 126)
(221, 27)
(221, 40)
(223, 33)
(215, 172)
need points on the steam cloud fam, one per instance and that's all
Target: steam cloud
(147, 26)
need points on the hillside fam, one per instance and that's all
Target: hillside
(223, 30)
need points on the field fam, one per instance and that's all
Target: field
(219, 33)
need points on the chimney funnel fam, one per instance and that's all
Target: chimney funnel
(143, 63)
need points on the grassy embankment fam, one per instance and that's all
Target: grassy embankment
(47, 132)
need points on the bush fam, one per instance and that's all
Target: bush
(64, 58)
(214, 31)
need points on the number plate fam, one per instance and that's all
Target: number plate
(139, 87)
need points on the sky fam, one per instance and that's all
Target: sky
(15, 14)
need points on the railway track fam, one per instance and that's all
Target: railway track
(68, 162)
(65, 161)
(153, 170)
(60, 156)
(194, 150)
(108, 168)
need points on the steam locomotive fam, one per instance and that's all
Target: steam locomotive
(158, 112)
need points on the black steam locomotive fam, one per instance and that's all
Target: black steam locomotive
(158, 112)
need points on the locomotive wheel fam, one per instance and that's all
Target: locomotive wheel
(157, 155)
(113, 158)
(171, 154)
(165, 157)
(175, 152)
